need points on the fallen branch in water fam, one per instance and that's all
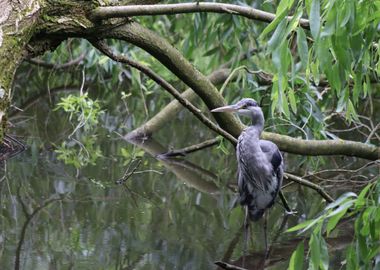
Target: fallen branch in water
(190, 149)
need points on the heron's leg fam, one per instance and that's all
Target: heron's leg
(265, 236)
(246, 233)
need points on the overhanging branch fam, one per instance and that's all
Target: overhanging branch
(176, 63)
(166, 9)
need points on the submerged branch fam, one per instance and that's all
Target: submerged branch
(167, 9)
(191, 148)
(167, 86)
(309, 184)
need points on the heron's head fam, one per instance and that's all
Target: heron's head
(246, 106)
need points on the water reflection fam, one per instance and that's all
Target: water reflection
(175, 213)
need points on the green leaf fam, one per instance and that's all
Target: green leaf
(296, 261)
(278, 36)
(331, 224)
(315, 250)
(274, 23)
(340, 200)
(360, 201)
(324, 254)
(315, 20)
(299, 226)
(302, 47)
(292, 100)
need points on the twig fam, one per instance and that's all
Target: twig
(163, 83)
(372, 133)
(167, 9)
(190, 149)
(128, 173)
(284, 201)
(309, 184)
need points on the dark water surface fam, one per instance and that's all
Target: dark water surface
(170, 214)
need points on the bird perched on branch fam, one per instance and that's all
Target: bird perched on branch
(260, 163)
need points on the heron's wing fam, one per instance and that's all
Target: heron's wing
(272, 153)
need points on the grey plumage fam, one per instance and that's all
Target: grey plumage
(260, 163)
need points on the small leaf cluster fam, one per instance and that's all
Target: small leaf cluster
(83, 114)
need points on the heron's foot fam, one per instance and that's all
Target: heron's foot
(291, 213)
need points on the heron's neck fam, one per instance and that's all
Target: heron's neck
(257, 123)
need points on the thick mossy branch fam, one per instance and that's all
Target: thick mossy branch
(179, 65)
(166, 9)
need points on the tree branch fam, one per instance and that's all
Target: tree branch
(167, 9)
(44, 64)
(164, 52)
(309, 184)
(167, 86)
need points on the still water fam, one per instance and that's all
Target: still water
(169, 214)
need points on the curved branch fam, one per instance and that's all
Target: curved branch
(166, 9)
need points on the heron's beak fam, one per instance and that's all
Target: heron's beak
(228, 108)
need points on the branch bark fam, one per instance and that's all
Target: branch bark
(311, 185)
(167, 9)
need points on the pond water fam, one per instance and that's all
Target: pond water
(169, 214)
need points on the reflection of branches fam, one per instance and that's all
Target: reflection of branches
(163, 83)
(128, 172)
(57, 66)
(29, 217)
(33, 100)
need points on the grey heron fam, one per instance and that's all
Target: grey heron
(260, 163)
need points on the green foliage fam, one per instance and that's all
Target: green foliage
(83, 114)
(365, 208)
(82, 110)
(79, 154)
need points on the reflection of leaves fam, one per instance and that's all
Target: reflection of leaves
(79, 154)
